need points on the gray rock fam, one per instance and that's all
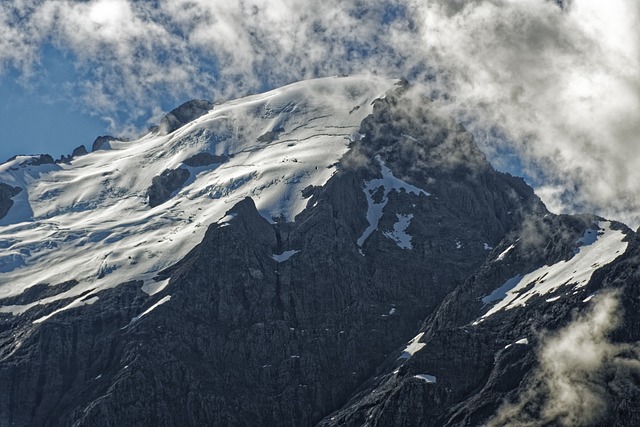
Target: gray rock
(184, 114)
(271, 136)
(102, 142)
(163, 185)
(79, 151)
(7, 192)
(204, 159)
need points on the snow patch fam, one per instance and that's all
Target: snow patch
(399, 233)
(426, 378)
(284, 256)
(152, 287)
(504, 253)
(487, 247)
(150, 309)
(80, 302)
(501, 292)
(575, 272)
(589, 237)
(413, 347)
(227, 218)
(387, 183)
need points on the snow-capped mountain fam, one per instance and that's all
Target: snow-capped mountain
(97, 215)
(335, 252)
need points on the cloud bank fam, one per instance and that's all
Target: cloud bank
(555, 86)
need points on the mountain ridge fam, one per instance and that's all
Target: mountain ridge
(297, 302)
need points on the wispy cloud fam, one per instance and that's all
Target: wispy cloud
(576, 367)
(560, 86)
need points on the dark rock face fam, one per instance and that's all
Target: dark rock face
(165, 184)
(270, 136)
(38, 160)
(479, 367)
(101, 142)
(204, 159)
(79, 151)
(6, 193)
(184, 114)
(302, 322)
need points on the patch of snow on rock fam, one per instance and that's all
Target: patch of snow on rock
(388, 183)
(504, 253)
(426, 378)
(575, 272)
(413, 347)
(150, 309)
(399, 233)
(284, 256)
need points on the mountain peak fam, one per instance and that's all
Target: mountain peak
(183, 114)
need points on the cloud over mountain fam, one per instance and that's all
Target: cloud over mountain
(555, 86)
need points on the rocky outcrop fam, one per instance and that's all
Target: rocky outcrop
(163, 185)
(184, 114)
(79, 151)
(102, 142)
(271, 136)
(204, 159)
(6, 194)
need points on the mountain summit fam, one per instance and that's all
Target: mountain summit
(335, 252)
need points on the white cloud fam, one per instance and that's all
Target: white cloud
(576, 366)
(562, 86)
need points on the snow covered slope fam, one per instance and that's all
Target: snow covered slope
(600, 247)
(90, 220)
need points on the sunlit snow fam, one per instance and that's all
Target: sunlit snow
(504, 253)
(150, 309)
(426, 378)
(90, 221)
(576, 272)
(413, 347)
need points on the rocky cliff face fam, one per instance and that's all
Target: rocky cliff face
(184, 114)
(305, 320)
(6, 193)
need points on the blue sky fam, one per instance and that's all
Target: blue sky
(560, 84)
(39, 120)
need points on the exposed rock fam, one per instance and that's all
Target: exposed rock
(204, 159)
(37, 160)
(184, 114)
(6, 193)
(79, 151)
(165, 184)
(270, 136)
(102, 142)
